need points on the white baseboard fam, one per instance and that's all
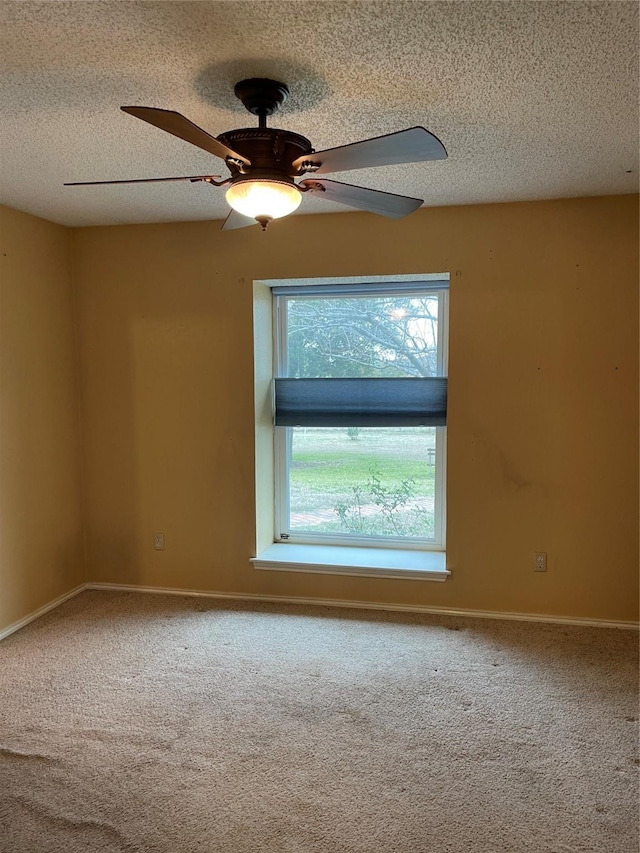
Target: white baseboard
(367, 605)
(318, 602)
(11, 629)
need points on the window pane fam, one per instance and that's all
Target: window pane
(362, 336)
(376, 482)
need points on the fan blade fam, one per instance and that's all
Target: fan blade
(237, 220)
(193, 178)
(375, 201)
(413, 145)
(181, 127)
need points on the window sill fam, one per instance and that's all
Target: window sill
(362, 562)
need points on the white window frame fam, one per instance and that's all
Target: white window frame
(282, 435)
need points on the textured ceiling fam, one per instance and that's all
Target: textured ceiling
(531, 99)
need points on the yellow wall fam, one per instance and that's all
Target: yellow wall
(41, 549)
(543, 399)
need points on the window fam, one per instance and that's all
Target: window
(360, 407)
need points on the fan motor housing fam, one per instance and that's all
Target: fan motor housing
(270, 150)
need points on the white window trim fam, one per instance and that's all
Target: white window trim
(360, 562)
(344, 542)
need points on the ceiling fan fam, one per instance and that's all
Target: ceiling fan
(265, 162)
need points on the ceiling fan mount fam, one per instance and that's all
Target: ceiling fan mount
(261, 96)
(264, 162)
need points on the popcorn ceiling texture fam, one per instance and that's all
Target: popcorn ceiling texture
(531, 99)
(172, 725)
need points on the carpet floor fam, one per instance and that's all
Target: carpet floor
(160, 724)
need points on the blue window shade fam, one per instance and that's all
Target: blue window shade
(361, 402)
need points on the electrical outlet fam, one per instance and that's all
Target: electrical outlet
(158, 541)
(541, 561)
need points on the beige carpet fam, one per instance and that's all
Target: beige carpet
(172, 725)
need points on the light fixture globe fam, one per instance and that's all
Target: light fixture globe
(264, 200)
